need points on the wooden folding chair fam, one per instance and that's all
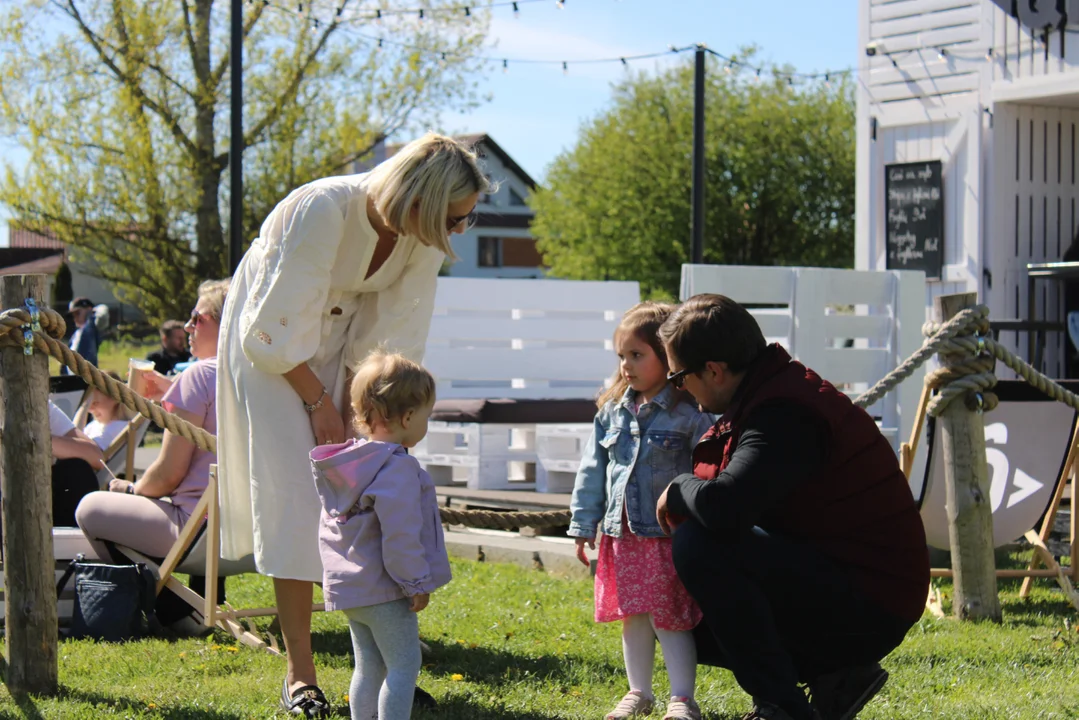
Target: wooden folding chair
(1016, 486)
(197, 552)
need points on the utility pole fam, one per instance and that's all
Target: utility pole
(698, 157)
(236, 138)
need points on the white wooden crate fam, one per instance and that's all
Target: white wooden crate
(559, 449)
(481, 456)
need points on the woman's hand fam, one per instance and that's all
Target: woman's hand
(155, 385)
(581, 542)
(119, 486)
(327, 424)
(419, 602)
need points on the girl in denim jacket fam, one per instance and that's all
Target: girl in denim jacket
(380, 534)
(642, 438)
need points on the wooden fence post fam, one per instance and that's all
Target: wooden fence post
(970, 517)
(26, 489)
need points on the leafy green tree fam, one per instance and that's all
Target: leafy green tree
(780, 178)
(122, 107)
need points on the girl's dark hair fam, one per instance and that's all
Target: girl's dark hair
(712, 328)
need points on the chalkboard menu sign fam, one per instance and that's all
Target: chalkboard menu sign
(914, 197)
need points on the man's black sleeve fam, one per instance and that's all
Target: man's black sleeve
(781, 446)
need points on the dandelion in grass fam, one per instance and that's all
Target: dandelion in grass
(457, 677)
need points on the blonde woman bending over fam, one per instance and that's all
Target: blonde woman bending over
(340, 266)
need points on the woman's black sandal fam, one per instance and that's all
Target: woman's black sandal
(307, 701)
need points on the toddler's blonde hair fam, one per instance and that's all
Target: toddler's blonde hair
(386, 386)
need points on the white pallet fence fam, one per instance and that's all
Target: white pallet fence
(480, 456)
(851, 326)
(519, 339)
(559, 448)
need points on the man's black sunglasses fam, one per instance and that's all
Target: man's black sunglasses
(678, 379)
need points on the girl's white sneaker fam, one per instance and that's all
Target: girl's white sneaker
(633, 704)
(682, 708)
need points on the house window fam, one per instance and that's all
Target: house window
(490, 252)
(516, 200)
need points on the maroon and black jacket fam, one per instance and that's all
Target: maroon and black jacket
(794, 456)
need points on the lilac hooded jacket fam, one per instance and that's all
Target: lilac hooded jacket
(380, 534)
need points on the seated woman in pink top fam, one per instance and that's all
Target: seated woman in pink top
(147, 515)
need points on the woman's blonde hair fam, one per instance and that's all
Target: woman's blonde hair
(386, 386)
(643, 320)
(427, 174)
(214, 292)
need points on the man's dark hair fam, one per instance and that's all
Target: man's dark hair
(169, 325)
(712, 328)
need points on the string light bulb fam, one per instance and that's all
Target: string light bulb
(421, 13)
(378, 16)
(828, 80)
(505, 66)
(758, 75)
(942, 54)
(560, 4)
(516, 11)
(565, 68)
(468, 12)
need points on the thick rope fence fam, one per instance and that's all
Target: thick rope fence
(968, 354)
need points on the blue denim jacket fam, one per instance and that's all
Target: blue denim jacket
(619, 469)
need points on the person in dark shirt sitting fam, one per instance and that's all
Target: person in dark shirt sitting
(797, 533)
(173, 348)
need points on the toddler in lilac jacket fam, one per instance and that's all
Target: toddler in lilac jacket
(380, 534)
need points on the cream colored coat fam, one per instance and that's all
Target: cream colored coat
(300, 295)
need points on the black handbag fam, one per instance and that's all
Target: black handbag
(112, 602)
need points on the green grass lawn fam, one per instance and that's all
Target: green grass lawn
(515, 643)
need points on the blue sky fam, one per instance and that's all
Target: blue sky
(536, 110)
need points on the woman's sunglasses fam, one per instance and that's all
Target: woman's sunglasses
(196, 318)
(453, 222)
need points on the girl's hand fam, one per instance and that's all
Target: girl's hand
(419, 602)
(581, 542)
(327, 424)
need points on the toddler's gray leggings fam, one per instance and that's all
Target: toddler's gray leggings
(386, 640)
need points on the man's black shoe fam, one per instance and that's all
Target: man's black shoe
(841, 695)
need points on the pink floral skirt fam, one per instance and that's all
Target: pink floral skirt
(636, 575)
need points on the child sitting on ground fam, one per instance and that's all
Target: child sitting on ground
(380, 534)
(110, 417)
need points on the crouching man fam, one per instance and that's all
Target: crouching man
(797, 533)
